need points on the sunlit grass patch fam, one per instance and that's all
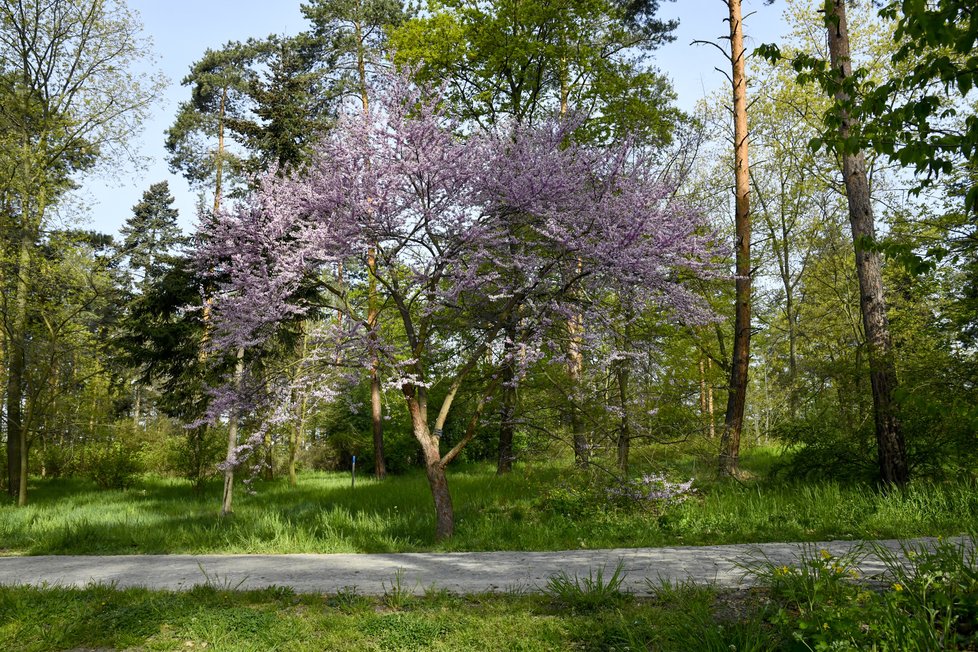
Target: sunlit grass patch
(540, 506)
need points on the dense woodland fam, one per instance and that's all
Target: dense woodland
(484, 231)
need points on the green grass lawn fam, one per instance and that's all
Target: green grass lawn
(538, 507)
(208, 619)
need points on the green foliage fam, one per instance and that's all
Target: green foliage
(525, 60)
(821, 447)
(928, 600)
(56, 461)
(591, 593)
(397, 595)
(112, 465)
(151, 236)
(254, 105)
(195, 455)
(917, 115)
(348, 600)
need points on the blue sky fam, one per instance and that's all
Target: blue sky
(181, 30)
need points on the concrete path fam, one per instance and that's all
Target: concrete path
(467, 572)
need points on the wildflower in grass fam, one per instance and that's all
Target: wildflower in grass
(897, 587)
(651, 491)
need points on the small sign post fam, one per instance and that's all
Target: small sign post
(353, 473)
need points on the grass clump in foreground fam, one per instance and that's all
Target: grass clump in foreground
(537, 507)
(930, 604)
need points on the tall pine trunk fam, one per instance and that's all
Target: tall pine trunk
(737, 396)
(890, 445)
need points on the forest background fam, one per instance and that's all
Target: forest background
(113, 363)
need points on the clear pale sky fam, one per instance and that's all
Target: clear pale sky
(182, 29)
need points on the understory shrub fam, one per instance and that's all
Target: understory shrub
(821, 448)
(940, 435)
(195, 453)
(112, 465)
(56, 461)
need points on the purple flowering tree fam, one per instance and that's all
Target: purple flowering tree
(469, 233)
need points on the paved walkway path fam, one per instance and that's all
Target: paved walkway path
(466, 572)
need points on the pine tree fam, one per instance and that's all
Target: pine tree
(151, 236)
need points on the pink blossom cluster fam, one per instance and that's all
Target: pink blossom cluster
(470, 232)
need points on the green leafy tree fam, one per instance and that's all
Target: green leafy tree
(906, 117)
(163, 336)
(71, 100)
(523, 61)
(254, 105)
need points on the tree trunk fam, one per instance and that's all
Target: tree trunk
(219, 163)
(22, 486)
(709, 400)
(137, 406)
(575, 368)
(298, 431)
(376, 407)
(16, 433)
(703, 414)
(737, 397)
(889, 437)
(507, 409)
(434, 468)
(623, 377)
(268, 469)
(624, 425)
(294, 442)
(232, 441)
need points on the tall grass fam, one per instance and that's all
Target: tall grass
(539, 507)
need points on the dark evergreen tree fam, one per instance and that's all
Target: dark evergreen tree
(253, 105)
(151, 237)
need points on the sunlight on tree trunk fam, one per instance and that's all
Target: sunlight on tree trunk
(226, 508)
(891, 449)
(737, 397)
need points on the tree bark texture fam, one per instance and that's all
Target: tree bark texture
(737, 396)
(16, 433)
(575, 369)
(226, 507)
(434, 466)
(507, 408)
(623, 374)
(891, 449)
(376, 406)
